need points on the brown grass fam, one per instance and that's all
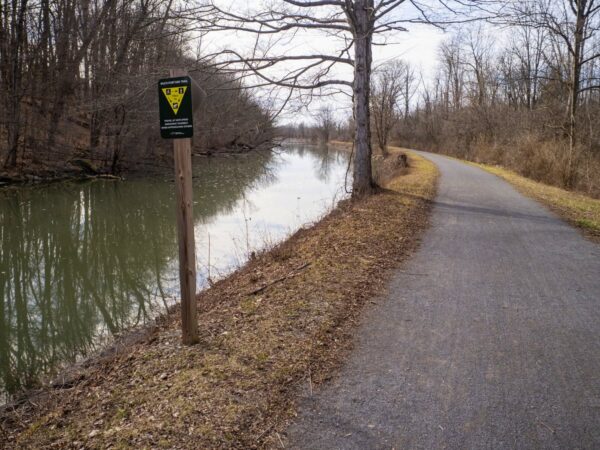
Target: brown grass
(343, 145)
(238, 387)
(578, 209)
(544, 161)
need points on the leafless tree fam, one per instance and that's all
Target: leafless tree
(387, 90)
(507, 101)
(77, 88)
(527, 47)
(575, 25)
(355, 23)
(452, 72)
(326, 122)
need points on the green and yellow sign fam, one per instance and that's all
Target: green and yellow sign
(175, 108)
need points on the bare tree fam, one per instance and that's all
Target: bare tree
(356, 23)
(478, 58)
(452, 73)
(507, 102)
(574, 23)
(77, 88)
(387, 88)
(528, 46)
(325, 122)
(409, 87)
(13, 37)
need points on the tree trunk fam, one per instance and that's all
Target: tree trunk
(363, 182)
(407, 94)
(13, 138)
(14, 119)
(574, 94)
(120, 117)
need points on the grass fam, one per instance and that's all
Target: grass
(344, 145)
(258, 352)
(578, 209)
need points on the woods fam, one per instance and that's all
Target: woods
(520, 89)
(530, 104)
(77, 78)
(77, 86)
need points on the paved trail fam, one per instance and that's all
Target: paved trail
(488, 339)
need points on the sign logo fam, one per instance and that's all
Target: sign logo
(175, 107)
(174, 97)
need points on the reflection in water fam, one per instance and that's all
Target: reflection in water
(74, 263)
(83, 261)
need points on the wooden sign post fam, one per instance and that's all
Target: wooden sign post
(176, 122)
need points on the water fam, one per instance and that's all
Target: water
(80, 262)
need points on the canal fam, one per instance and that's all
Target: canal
(82, 261)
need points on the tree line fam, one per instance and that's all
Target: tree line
(78, 77)
(529, 100)
(78, 88)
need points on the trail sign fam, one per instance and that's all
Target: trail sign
(175, 108)
(176, 122)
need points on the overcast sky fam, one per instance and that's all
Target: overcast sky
(418, 46)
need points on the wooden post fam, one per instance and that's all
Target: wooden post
(185, 225)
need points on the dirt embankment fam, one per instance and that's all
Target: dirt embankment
(278, 326)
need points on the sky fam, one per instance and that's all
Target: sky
(418, 46)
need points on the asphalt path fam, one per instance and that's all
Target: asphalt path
(489, 338)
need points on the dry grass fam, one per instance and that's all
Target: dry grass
(578, 209)
(237, 388)
(543, 161)
(342, 145)
(530, 143)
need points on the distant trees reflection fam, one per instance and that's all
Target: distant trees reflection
(75, 261)
(82, 260)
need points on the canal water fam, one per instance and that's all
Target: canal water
(81, 262)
